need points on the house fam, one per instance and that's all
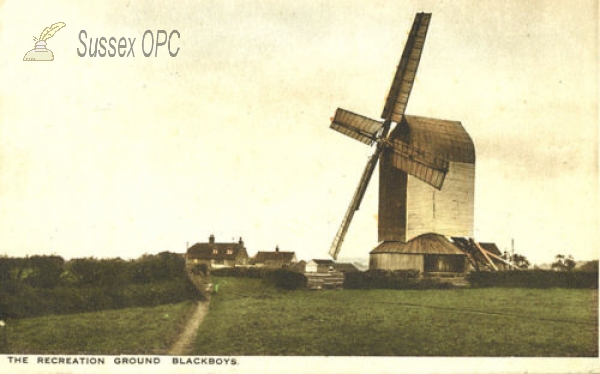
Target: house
(277, 259)
(324, 266)
(326, 274)
(321, 274)
(319, 266)
(216, 255)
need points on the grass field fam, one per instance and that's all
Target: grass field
(248, 317)
(149, 330)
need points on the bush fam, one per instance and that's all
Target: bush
(534, 279)
(161, 267)
(287, 279)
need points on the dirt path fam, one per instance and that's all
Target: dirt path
(186, 339)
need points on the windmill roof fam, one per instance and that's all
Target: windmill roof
(423, 244)
(444, 138)
(274, 256)
(215, 251)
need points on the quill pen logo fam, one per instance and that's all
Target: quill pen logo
(40, 52)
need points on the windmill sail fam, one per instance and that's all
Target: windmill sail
(419, 163)
(407, 69)
(354, 204)
(369, 131)
(359, 127)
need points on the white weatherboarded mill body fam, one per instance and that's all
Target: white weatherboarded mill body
(426, 177)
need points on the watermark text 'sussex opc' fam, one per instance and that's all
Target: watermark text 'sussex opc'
(125, 46)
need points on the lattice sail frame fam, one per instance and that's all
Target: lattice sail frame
(358, 127)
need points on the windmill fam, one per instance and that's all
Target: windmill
(427, 172)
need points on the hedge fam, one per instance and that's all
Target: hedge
(534, 279)
(31, 302)
(41, 285)
(398, 280)
(281, 278)
(287, 279)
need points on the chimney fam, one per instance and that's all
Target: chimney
(211, 239)
(276, 248)
(241, 242)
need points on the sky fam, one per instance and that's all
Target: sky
(117, 157)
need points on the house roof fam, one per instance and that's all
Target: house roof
(447, 139)
(274, 256)
(423, 244)
(345, 267)
(322, 262)
(216, 251)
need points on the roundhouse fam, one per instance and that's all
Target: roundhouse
(427, 253)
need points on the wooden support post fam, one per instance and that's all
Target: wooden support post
(484, 252)
(501, 259)
(472, 260)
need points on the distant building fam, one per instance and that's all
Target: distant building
(216, 255)
(324, 266)
(321, 274)
(299, 266)
(319, 266)
(277, 259)
(345, 267)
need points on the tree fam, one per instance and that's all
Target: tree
(520, 261)
(590, 266)
(563, 263)
(570, 263)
